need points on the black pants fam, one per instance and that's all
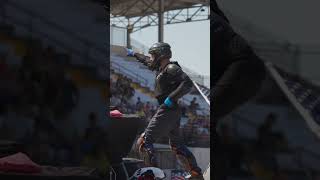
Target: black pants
(166, 122)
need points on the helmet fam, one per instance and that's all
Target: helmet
(160, 50)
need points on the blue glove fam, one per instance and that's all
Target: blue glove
(168, 102)
(130, 52)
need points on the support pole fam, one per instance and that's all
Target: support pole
(160, 20)
(129, 31)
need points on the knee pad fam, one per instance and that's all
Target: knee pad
(146, 150)
(181, 151)
(140, 142)
(186, 158)
(149, 159)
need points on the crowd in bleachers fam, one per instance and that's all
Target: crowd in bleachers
(193, 125)
(37, 97)
(37, 83)
(120, 93)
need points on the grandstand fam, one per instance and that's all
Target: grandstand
(48, 112)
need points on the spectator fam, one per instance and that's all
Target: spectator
(114, 101)
(87, 143)
(193, 105)
(139, 104)
(113, 89)
(94, 130)
(118, 82)
(265, 132)
(122, 91)
(94, 136)
(266, 143)
(97, 158)
(141, 113)
(131, 92)
(183, 108)
(69, 95)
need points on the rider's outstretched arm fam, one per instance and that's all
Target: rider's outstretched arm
(145, 60)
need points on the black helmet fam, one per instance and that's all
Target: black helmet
(160, 50)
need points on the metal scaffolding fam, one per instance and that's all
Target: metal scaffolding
(136, 15)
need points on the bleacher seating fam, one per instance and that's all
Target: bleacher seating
(135, 67)
(138, 68)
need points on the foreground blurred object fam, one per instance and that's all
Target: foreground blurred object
(148, 173)
(19, 163)
(123, 131)
(115, 113)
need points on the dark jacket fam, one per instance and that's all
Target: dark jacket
(170, 81)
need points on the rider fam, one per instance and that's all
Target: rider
(171, 84)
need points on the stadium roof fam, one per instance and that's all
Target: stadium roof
(135, 8)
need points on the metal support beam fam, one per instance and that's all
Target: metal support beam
(193, 14)
(160, 21)
(173, 17)
(129, 31)
(148, 6)
(126, 10)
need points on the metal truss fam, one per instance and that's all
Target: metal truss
(191, 14)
